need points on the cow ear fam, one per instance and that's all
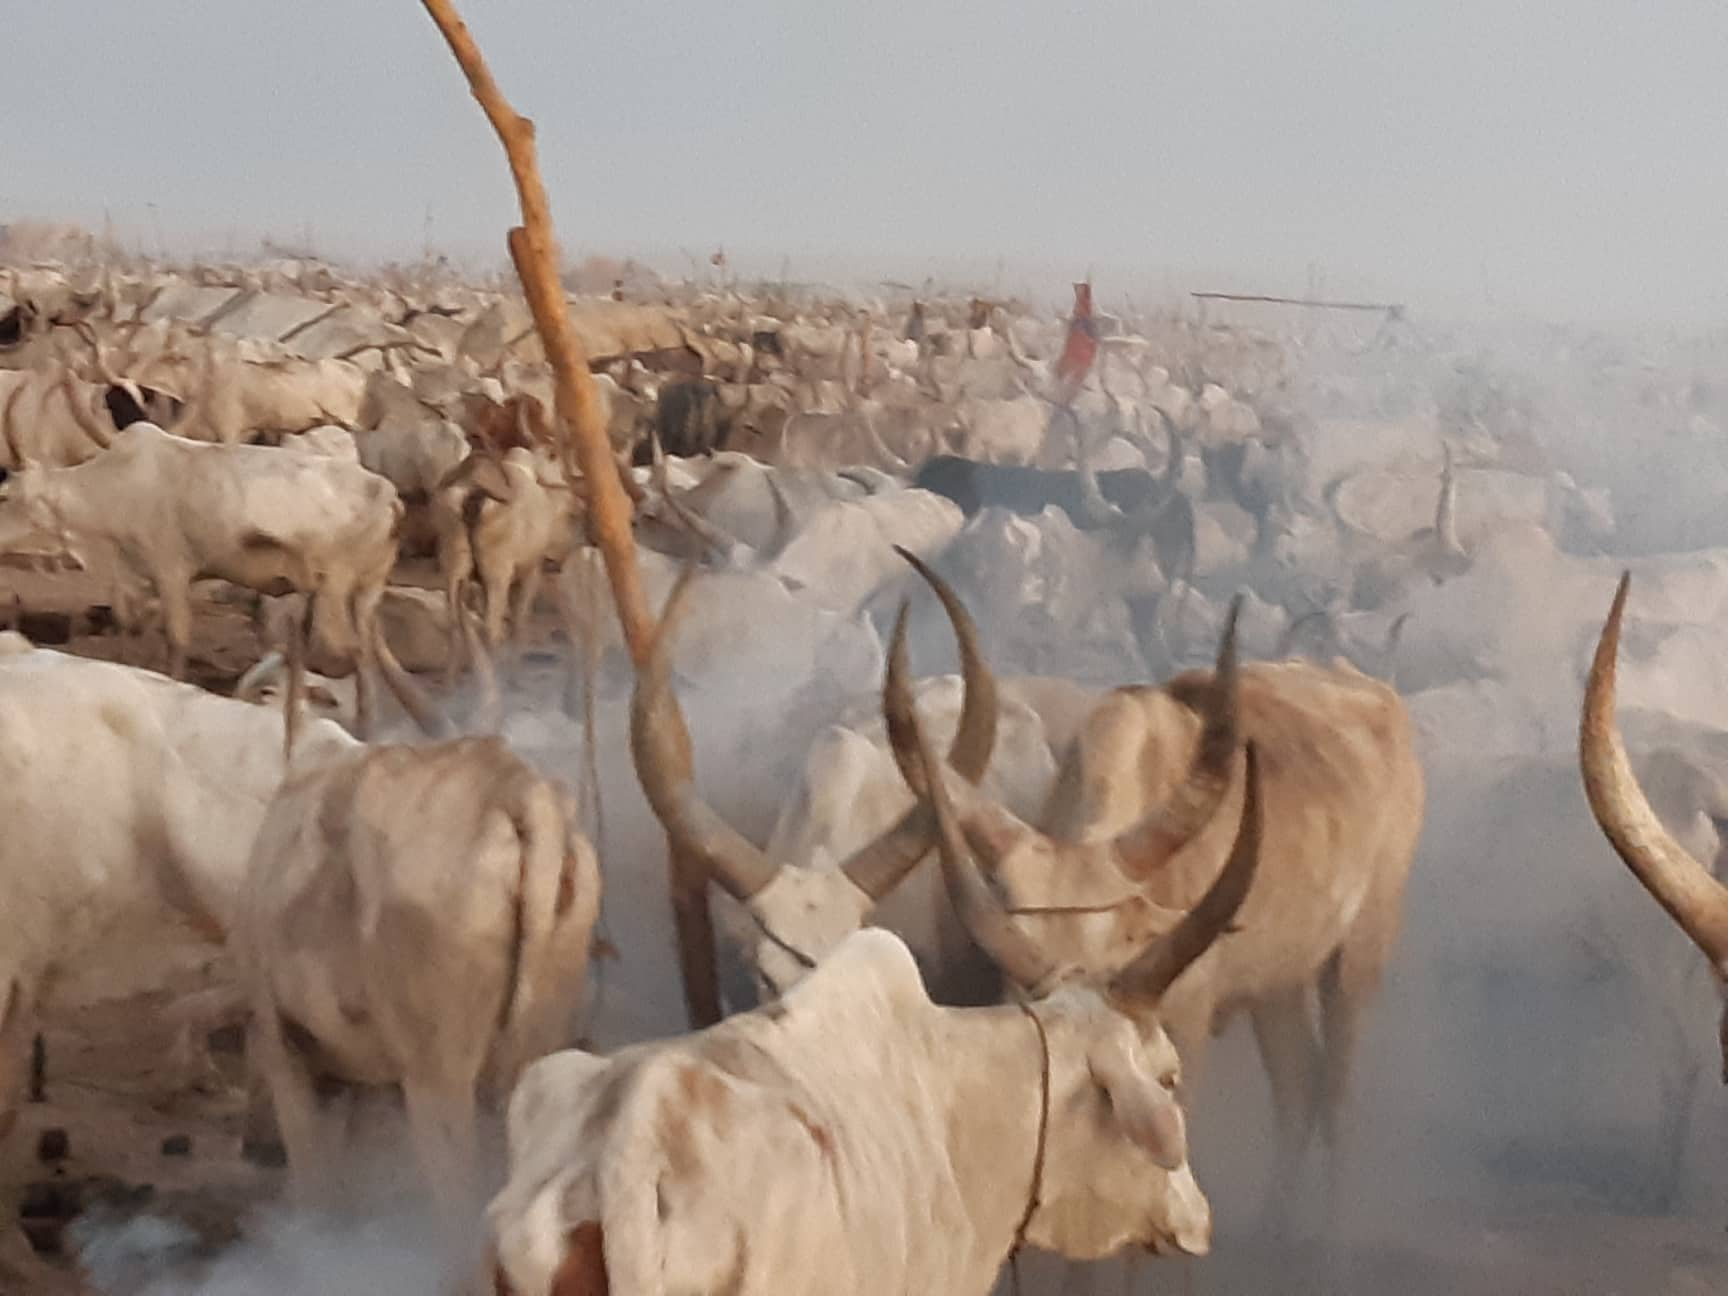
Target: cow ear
(1142, 1102)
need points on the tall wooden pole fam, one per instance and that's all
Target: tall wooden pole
(585, 446)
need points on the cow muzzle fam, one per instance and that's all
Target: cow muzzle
(1186, 1225)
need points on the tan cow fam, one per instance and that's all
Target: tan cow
(1134, 830)
(855, 1138)
(502, 519)
(415, 917)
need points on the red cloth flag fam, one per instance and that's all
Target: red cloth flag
(1081, 348)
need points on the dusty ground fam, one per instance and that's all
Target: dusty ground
(114, 1093)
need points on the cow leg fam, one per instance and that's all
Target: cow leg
(17, 1050)
(312, 1145)
(365, 695)
(261, 1141)
(496, 579)
(176, 599)
(442, 1126)
(1348, 984)
(527, 594)
(1284, 1031)
(189, 1061)
(363, 612)
(454, 560)
(576, 630)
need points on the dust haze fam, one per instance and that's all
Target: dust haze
(1538, 1102)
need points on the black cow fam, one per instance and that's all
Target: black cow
(159, 407)
(975, 485)
(690, 419)
(1127, 501)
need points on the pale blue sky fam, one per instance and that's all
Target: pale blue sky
(1573, 154)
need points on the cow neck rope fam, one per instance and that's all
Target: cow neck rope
(1032, 1189)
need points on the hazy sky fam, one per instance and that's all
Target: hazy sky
(1568, 158)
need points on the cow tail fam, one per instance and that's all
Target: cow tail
(557, 881)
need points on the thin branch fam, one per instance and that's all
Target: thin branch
(534, 251)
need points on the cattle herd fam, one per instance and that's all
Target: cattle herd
(336, 686)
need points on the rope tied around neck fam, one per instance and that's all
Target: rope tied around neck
(1033, 1189)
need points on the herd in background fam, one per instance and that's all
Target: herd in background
(1279, 528)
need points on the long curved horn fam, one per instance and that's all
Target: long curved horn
(250, 686)
(1145, 981)
(879, 447)
(14, 455)
(989, 827)
(660, 745)
(784, 522)
(104, 371)
(425, 713)
(878, 867)
(991, 926)
(1446, 508)
(717, 539)
(1148, 845)
(1293, 632)
(1690, 893)
(99, 358)
(93, 426)
(1098, 511)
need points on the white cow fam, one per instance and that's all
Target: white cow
(412, 916)
(855, 1138)
(175, 510)
(849, 835)
(128, 799)
(54, 417)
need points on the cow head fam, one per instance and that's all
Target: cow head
(1115, 1167)
(29, 508)
(801, 913)
(1095, 899)
(1691, 893)
(126, 397)
(265, 684)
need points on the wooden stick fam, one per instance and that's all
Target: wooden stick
(534, 252)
